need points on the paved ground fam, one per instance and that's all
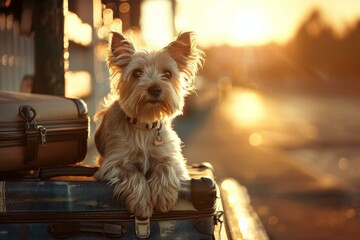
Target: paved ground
(297, 155)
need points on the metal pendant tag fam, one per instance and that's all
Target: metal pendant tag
(158, 140)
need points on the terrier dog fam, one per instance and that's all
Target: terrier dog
(140, 152)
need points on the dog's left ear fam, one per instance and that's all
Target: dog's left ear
(186, 54)
(121, 50)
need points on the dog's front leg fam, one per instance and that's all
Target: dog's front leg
(164, 186)
(131, 184)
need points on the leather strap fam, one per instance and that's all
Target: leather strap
(45, 173)
(68, 229)
(28, 113)
(32, 143)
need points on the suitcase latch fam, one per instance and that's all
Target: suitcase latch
(142, 227)
(42, 131)
(33, 132)
(28, 113)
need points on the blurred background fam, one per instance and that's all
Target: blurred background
(277, 103)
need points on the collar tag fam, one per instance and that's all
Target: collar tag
(158, 138)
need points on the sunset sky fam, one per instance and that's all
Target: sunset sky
(241, 22)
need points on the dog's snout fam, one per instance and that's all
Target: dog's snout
(155, 90)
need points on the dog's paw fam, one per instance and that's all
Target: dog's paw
(136, 194)
(165, 198)
(140, 205)
(164, 189)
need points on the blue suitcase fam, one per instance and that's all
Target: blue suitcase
(68, 208)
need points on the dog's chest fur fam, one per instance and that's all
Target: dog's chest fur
(133, 145)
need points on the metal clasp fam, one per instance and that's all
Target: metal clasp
(142, 227)
(43, 135)
(28, 113)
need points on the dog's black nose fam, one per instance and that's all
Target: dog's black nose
(155, 90)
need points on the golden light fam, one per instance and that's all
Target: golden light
(350, 213)
(231, 22)
(116, 25)
(246, 108)
(156, 23)
(65, 7)
(226, 185)
(101, 51)
(244, 222)
(255, 139)
(97, 10)
(4, 59)
(103, 32)
(11, 60)
(107, 16)
(7, 3)
(251, 26)
(84, 35)
(343, 163)
(124, 7)
(9, 22)
(66, 55)
(77, 84)
(256, 22)
(77, 31)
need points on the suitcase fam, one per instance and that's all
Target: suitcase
(41, 130)
(73, 209)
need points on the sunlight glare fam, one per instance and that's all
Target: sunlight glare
(97, 10)
(256, 22)
(76, 30)
(116, 25)
(255, 139)
(156, 23)
(251, 26)
(243, 22)
(77, 84)
(247, 108)
(240, 213)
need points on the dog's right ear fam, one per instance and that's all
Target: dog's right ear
(121, 50)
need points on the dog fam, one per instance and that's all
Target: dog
(140, 153)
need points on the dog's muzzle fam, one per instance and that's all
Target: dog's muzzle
(155, 91)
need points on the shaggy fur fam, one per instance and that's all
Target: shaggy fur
(140, 152)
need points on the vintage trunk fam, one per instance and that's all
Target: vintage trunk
(41, 130)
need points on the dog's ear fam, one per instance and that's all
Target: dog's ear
(121, 50)
(186, 54)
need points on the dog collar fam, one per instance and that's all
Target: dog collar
(148, 126)
(158, 141)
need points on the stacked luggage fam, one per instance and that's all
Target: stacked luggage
(41, 130)
(46, 194)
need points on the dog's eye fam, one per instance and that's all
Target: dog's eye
(167, 74)
(137, 73)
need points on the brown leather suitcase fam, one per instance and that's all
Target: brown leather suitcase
(41, 130)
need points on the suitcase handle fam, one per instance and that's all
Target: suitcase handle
(45, 173)
(69, 229)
